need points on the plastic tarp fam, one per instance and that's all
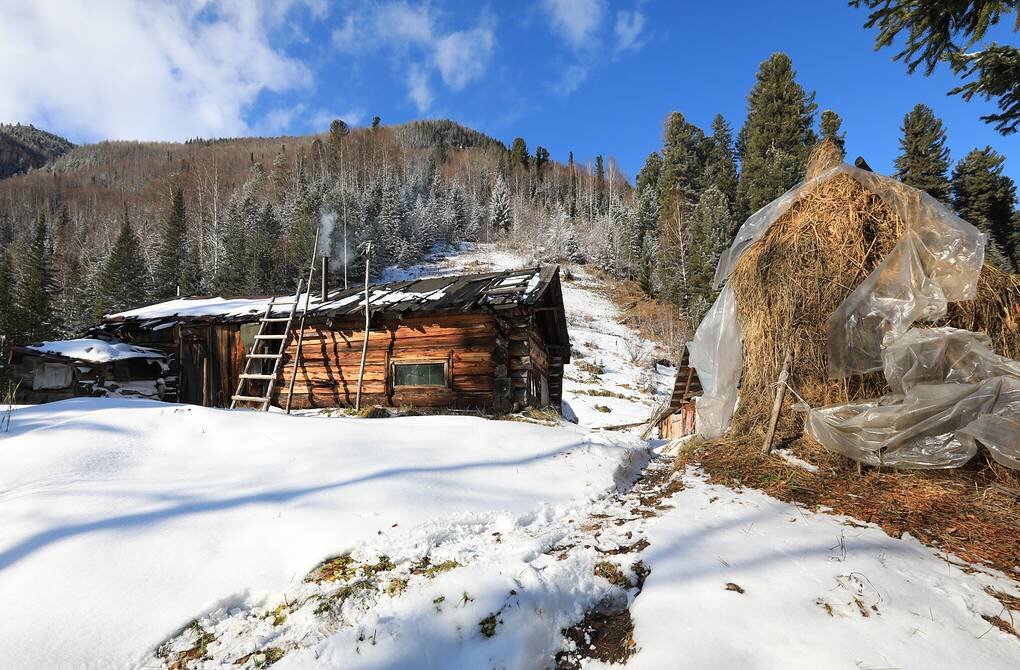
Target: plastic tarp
(949, 392)
(717, 354)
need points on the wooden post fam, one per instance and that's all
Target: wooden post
(364, 341)
(784, 375)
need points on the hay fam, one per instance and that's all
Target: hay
(810, 259)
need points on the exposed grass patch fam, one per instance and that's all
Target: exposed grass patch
(198, 651)
(374, 412)
(382, 565)
(430, 570)
(603, 409)
(337, 569)
(612, 574)
(334, 600)
(396, 587)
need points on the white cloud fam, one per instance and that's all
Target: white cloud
(576, 20)
(629, 26)
(570, 79)
(320, 120)
(463, 56)
(345, 37)
(419, 47)
(418, 87)
(139, 70)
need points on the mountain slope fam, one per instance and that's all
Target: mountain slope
(23, 148)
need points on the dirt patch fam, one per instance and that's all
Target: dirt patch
(967, 511)
(604, 637)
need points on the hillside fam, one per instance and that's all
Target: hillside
(128, 223)
(23, 148)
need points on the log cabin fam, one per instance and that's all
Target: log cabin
(678, 417)
(493, 341)
(87, 367)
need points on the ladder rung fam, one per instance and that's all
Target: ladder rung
(270, 337)
(247, 398)
(265, 355)
(275, 318)
(252, 375)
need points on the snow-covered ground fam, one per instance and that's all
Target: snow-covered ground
(454, 542)
(124, 520)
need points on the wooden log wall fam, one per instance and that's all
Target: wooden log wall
(469, 344)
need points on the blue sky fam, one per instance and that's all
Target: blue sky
(591, 76)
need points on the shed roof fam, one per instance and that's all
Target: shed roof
(457, 293)
(92, 350)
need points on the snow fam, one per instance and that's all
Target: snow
(123, 520)
(96, 351)
(820, 591)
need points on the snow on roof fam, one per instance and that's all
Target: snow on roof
(95, 351)
(458, 292)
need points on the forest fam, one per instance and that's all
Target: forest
(110, 226)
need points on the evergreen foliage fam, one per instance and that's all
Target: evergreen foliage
(35, 316)
(830, 126)
(924, 157)
(170, 259)
(949, 32)
(500, 207)
(775, 139)
(123, 281)
(985, 197)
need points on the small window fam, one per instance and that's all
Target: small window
(419, 374)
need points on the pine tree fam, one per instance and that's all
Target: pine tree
(8, 315)
(721, 160)
(938, 32)
(501, 215)
(261, 251)
(74, 302)
(35, 292)
(710, 234)
(773, 144)
(519, 155)
(391, 224)
(985, 197)
(830, 127)
(123, 281)
(648, 176)
(924, 159)
(683, 164)
(541, 160)
(172, 248)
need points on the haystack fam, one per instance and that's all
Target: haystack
(804, 266)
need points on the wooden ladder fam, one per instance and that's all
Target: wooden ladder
(260, 351)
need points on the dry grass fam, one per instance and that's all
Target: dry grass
(790, 281)
(959, 511)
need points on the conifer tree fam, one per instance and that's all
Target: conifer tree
(773, 144)
(8, 314)
(683, 164)
(261, 249)
(830, 126)
(985, 197)
(721, 160)
(501, 215)
(391, 223)
(541, 160)
(172, 248)
(648, 176)
(924, 157)
(123, 281)
(519, 155)
(35, 289)
(710, 234)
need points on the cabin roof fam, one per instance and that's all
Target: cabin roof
(456, 293)
(91, 350)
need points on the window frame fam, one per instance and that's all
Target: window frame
(445, 362)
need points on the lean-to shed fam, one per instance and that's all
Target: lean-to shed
(49, 371)
(495, 341)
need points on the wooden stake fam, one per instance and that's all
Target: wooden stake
(364, 343)
(784, 375)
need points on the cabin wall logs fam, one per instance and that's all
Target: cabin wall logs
(469, 345)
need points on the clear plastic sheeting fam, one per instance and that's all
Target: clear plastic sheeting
(951, 393)
(717, 354)
(937, 261)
